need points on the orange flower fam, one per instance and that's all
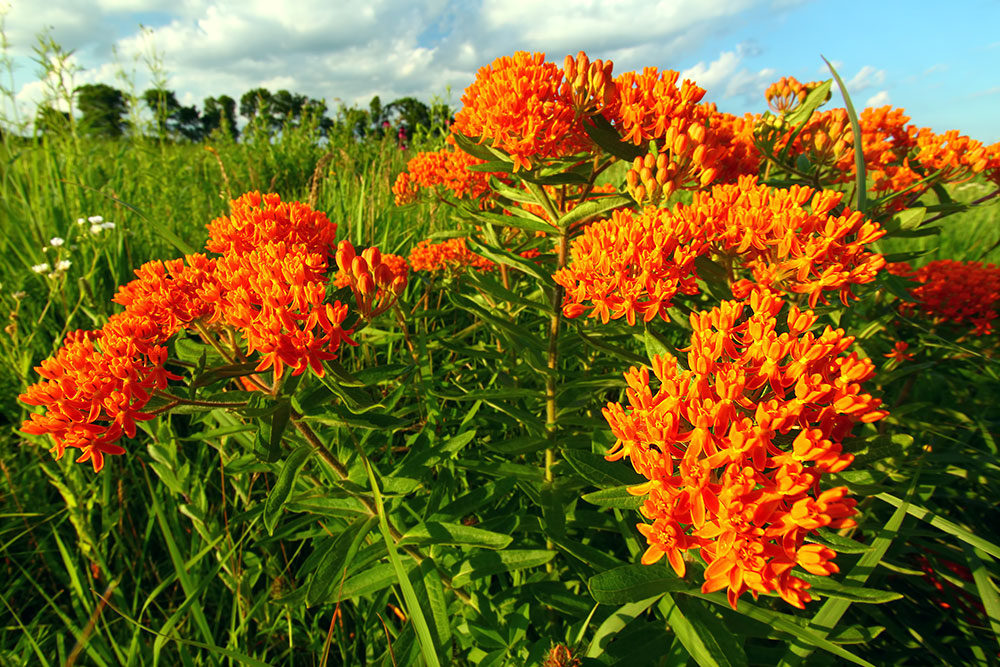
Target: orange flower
(518, 105)
(269, 285)
(956, 292)
(447, 170)
(450, 256)
(735, 447)
(786, 94)
(630, 265)
(787, 240)
(899, 352)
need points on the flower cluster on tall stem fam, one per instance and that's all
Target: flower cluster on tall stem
(268, 287)
(735, 447)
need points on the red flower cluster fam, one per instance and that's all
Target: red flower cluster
(269, 285)
(734, 448)
(451, 257)
(966, 293)
(631, 265)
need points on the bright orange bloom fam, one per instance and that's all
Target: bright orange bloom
(735, 447)
(966, 293)
(786, 94)
(451, 257)
(518, 104)
(632, 264)
(447, 170)
(899, 352)
(786, 239)
(269, 285)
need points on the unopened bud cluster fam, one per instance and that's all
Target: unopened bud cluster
(377, 280)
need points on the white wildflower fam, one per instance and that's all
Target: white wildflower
(63, 264)
(56, 241)
(81, 221)
(107, 225)
(95, 219)
(96, 229)
(41, 268)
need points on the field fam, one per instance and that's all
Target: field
(441, 494)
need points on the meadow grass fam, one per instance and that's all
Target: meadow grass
(154, 562)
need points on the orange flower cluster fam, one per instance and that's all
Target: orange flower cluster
(630, 265)
(269, 285)
(787, 93)
(651, 107)
(445, 169)
(897, 155)
(451, 257)
(377, 280)
(786, 246)
(519, 104)
(734, 448)
(956, 292)
(741, 157)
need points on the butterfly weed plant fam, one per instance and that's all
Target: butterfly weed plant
(653, 393)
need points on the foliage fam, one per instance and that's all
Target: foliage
(375, 434)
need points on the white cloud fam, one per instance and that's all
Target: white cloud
(867, 77)
(352, 51)
(724, 78)
(879, 99)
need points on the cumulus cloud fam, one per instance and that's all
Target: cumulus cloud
(724, 78)
(352, 51)
(879, 99)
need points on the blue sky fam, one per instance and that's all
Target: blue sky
(939, 62)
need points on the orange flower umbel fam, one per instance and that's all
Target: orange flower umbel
(631, 265)
(787, 240)
(269, 285)
(447, 170)
(450, 257)
(787, 93)
(965, 293)
(734, 448)
(518, 104)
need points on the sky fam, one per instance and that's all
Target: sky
(939, 62)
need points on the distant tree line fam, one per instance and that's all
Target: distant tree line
(104, 112)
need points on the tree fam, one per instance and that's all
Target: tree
(102, 110)
(172, 119)
(219, 113)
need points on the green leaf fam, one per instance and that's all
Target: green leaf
(600, 472)
(283, 485)
(437, 532)
(592, 209)
(614, 623)
(604, 135)
(370, 580)
(655, 346)
(832, 588)
(631, 583)
(486, 564)
(987, 589)
(703, 635)
(943, 524)
(269, 437)
(860, 177)
(333, 568)
(617, 497)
